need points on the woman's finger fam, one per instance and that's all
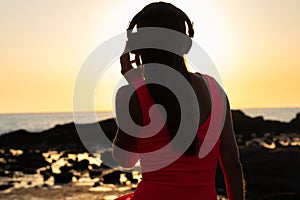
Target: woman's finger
(125, 63)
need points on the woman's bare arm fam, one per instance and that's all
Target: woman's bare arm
(127, 157)
(230, 161)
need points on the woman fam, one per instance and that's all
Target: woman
(188, 177)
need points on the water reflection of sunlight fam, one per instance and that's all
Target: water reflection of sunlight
(82, 156)
(137, 175)
(295, 142)
(110, 197)
(268, 146)
(33, 179)
(102, 189)
(56, 165)
(285, 142)
(2, 160)
(261, 142)
(16, 152)
(123, 179)
(271, 142)
(51, 156)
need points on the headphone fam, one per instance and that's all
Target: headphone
(160, 7)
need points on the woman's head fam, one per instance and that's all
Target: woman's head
(164, 15)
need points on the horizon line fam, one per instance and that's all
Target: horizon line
(110, 111)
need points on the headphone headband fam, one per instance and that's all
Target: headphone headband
(160, 8)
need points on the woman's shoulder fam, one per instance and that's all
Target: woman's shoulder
(202, 79)
(197, 79)
(198, 76)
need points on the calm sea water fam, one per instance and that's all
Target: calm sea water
(43, 121)
(279, 114)
(40, 122)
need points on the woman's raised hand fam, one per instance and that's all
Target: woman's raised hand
(131, 74)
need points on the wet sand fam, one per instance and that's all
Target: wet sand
(66, 192)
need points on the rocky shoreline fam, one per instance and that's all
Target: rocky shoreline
(270, 153)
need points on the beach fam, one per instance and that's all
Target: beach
(54, 164)
(67, 191)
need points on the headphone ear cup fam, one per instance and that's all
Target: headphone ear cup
(132, 42)
(187, 45)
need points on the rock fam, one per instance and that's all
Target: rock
(65, 168)
(246, 125)
(295, 124)
(129, 176)
(112, 178)
(61, 137)
(81, 165)
(28, 162)
(270, 171)
(96, 184)
(6, 186)
(109, 127)
(45, 185)
(71, 161)
(77, 177)
(94, 166)
(2, 171)
(46, 174)
(94, 173)
(63, 177)
(64, 155)
(104, 166)
(284, 196)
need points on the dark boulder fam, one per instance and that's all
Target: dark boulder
(61, 137)
(28, 162)
(47, 173)
(112, 178)
(6, 186)
(246, 125)
(81, 165)
(62, 178)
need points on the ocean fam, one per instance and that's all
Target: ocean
(44, 121)
(278, 114)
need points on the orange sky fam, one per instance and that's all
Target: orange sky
(254, 44)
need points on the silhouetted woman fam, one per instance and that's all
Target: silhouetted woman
(188, 177)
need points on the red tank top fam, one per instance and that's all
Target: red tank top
(188, 177)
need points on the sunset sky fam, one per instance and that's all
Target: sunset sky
(255, 45)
